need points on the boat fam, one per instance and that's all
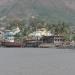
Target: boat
(11, 44)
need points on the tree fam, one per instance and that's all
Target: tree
(60, 29)
(64, 29)
(67, 37)
(73, 38)
(21, 25)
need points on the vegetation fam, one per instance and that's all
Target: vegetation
(61, 28)
(73, 37)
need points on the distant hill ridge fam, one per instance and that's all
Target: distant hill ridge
(54, 10)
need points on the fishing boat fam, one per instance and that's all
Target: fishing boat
(11, 44)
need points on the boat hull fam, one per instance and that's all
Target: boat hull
(11, 44)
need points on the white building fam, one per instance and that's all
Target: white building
(41, 32)
(9, 34)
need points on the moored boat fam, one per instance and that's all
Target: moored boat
(11, 44)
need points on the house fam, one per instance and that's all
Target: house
(40, 33)
(53, 39)
(9, 34)
(46, 38)
(59, 40)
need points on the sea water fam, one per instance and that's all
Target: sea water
(37, 62)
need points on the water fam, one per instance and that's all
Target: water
(37, 62)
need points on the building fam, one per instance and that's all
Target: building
(40, 33)
(52, 39)
(9, 34)
(46, 38)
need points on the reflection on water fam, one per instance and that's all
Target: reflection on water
(37, 62)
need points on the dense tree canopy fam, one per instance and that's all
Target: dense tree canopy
(61, 28)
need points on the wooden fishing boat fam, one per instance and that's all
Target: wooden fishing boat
(11, 44)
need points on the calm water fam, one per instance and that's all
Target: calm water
(37, 62)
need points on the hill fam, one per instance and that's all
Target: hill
(50, 10)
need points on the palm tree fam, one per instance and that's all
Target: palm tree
(64, 29)
(59, 29)
(54, 29)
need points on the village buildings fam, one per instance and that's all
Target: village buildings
(36, 38)
(46, 37)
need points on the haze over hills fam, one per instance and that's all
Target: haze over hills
(54, 10)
